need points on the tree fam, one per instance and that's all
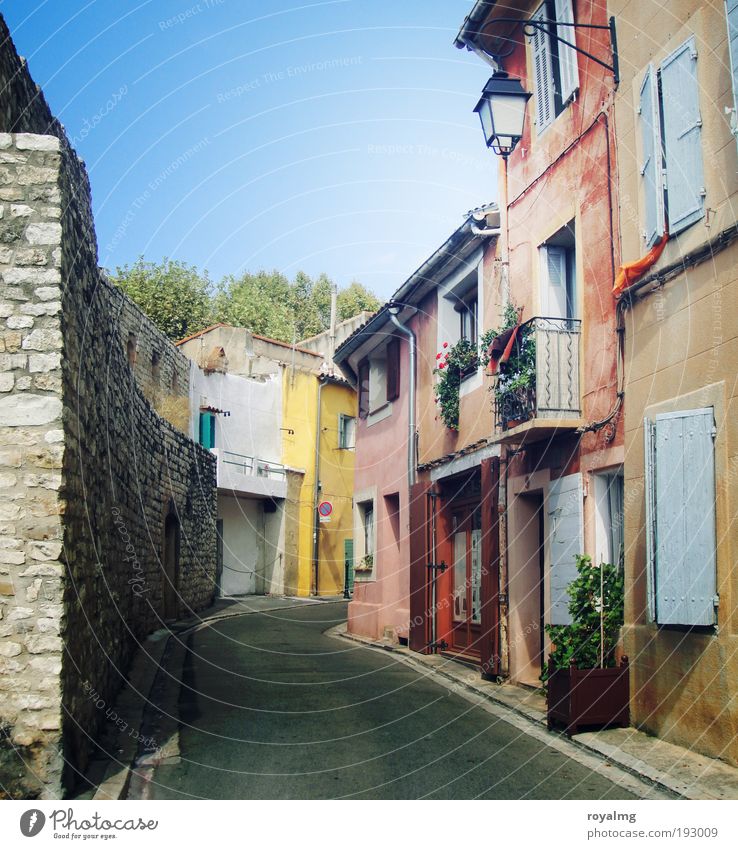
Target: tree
(355, 298)
(175, 296)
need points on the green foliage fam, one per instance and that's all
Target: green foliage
(453, 364)
(596, 589)
(175, 296)
(181, 301)
(519, 372)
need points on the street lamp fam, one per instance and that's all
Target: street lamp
(501, 110)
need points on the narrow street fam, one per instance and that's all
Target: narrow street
(271, 707)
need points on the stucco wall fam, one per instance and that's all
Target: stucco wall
(91, 469)
(681, 354)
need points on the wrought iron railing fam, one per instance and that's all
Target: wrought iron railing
(253, 465)
(541, 378)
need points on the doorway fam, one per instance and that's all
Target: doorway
(526, 588)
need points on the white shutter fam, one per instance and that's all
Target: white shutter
(652, 172)
(650, 487)
(731, 14)
(565, 516)
(685, 181)
(568, 68)
(553, 281)
(542, 73)
(685, 556)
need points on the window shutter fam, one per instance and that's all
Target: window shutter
(393, 370)
(731, 13)
(685, 182)
(684, 457)
(648, 433)
(652, 168)
(363, 389)
(341, 431)
(568, 68)
(565, 515)
(553, 281)
(542, 73)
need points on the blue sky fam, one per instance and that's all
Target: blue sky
(323, 136)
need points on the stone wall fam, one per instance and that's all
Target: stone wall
(91, 474)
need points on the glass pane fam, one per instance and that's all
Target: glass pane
(460, 576)
(476, 576)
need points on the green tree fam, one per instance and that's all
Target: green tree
(355, 298)
(174, 295)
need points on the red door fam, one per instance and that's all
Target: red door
(459, 610)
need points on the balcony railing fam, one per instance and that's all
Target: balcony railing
(254, 466)
(541, 379)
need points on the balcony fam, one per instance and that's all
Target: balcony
(242, 474)
(538, 395)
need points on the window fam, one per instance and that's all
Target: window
(671, 135)
(468, 309)
(379, 378)
(558, 275)
(680, 517)
(555, 69)
(207, 429)
(608, 490)
(131, 346)
(155, 368)
(346, 431)
(365, 535)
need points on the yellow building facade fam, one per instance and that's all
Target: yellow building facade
(316, 546)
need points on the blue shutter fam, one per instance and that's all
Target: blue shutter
(731, 13)
(207, 430)
(648, 432)
(565, 516)
(685, 182)
(542, 73)
(652, 167)
(684, 459)
(568, 68)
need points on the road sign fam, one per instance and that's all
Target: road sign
(325, 508)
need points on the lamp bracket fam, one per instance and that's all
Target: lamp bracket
(551, 29)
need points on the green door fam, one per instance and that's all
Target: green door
(348, 565)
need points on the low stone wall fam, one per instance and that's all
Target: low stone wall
(107, 522)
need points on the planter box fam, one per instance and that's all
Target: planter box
(578, 697)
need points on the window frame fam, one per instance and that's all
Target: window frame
(343, 419)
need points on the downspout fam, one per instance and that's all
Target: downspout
(316, 491)
(410, 396)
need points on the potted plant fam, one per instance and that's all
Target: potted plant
(365, 564)
(584, 684)
(453, 364)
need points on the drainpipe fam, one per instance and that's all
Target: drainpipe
(316, 491)
(394, 309)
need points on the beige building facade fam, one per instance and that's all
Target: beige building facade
(677, 161)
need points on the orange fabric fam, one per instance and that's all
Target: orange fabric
(630, 272)
(501, 347)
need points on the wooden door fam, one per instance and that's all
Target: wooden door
(466, 569)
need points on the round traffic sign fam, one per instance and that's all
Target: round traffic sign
(325, 508)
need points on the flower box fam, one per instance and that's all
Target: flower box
(579, 697)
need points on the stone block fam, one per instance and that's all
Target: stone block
(48, 550)
(20, 210)
(31, 141)
(43, 234)
(42, 340)
(44, 362)
(12, 558)
(47, 308)
(16, 322)
(32, 591)
(42, 570)
(47, 293)
(6, 382)
(10, 649)
(40, 277)
(27, 410)
(40, 643)
(6, 587)
(24, 382)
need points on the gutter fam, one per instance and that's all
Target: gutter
(410, 396)
(467, 35)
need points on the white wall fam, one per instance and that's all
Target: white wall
(243, 544)
(253, 428)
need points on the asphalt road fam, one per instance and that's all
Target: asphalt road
(271, 708)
